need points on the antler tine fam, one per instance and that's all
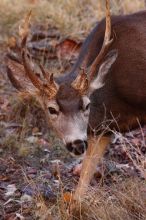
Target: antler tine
(23, 33)
(52, 78)
(53, 83)
(24, 29)
(107, 36)
(26, 63)
(81, 82)
(45, 75)
(106, 43)
(49, 78)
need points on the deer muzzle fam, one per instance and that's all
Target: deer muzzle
(77, 147)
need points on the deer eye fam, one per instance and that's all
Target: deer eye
(53, 111)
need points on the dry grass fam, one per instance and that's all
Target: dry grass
(72, 17)
(124, 200)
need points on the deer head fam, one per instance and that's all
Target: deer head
(66, 104)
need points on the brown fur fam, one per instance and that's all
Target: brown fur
(68, 99)
(123, 98)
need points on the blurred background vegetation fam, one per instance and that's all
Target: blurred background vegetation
(73, 17)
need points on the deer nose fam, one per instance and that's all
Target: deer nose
(77, 147)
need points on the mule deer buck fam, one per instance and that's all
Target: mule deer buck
(108, 93)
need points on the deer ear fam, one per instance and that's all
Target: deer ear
(18, 78)
(98, 82)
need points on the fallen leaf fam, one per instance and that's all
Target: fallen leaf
(4, 178)
(67, 197)
(10, 190)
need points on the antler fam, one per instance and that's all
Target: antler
(49, 87)
(80, 83)
(106, 43)
(18, 68)
(29, 72)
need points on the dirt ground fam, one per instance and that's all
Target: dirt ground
(36, 171)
